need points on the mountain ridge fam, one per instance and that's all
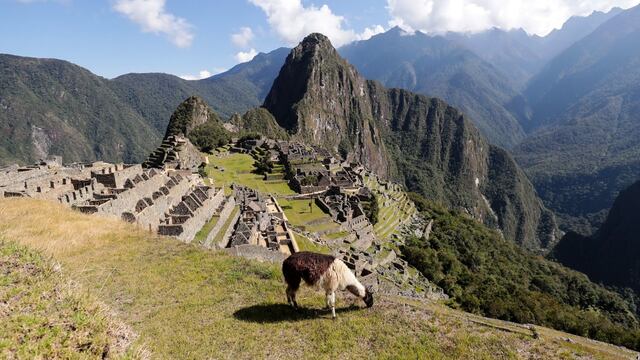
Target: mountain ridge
(424, 143)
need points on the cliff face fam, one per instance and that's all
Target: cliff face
(612, 254)
(422, 142)
(322, 100)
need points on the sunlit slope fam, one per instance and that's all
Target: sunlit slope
(185, 302)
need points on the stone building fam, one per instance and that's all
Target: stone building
(262, 222)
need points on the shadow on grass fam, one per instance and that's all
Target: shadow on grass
(273, 313)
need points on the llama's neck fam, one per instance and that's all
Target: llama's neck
(347, 280)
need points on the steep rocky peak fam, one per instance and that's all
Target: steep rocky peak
(191, 113)
(313, 44)
(321, 99)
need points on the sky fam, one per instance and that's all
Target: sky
(199, 38)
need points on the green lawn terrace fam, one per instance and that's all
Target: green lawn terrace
(395, 208)
(227, 168)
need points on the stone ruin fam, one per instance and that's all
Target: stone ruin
(175, 152)
(313, 170)
(347, 210)
(167, 202)
(261, 223)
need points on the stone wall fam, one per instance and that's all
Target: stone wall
(164, 200)
(227, 234)
(223, 216)
(127, 200)
(256, 252)
(115, 177)
(81, 194)
(189, 216)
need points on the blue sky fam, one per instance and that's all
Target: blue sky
(196, 38)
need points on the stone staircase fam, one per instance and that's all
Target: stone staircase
(166, 154)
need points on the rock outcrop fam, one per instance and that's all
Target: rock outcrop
(322, 100)
(419, 141)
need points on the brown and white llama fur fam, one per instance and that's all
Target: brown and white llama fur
(325, 273)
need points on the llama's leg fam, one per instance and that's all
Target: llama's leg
(291, 296)
(331, 300)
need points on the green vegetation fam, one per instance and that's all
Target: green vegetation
(583, 148)
(87, 117)
(239, 168)
(201, 236)
(46, 316)
(305, 244)
(300, 212)
(487, 275)
(616, 239)
(209, 136)
(68, 111)
(259, 121)
(186, 302)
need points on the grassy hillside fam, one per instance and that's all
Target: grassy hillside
(46, 315)
(184, 302)
(53, 107)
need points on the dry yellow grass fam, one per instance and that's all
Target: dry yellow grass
(185, 302)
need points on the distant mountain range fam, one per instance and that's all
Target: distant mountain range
(564, 104)
(584, 142)
(437, 67)
(50, 106)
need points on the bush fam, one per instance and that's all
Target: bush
(209, 136)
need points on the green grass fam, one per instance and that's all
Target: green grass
(299, 213)
(186, 302)
(328, 226)
(201, 236)
(226, 225)
(305, 244)
(237, 168)
(44, 315)
(336, 235)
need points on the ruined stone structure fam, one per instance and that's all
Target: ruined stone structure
(187, 217)
(262, 222)
(168, 202)
(175, 152)
(313, 170)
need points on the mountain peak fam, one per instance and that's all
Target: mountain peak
(314, 39)
(312, 45)
(191, 113)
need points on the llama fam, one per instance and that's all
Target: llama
(324, 272)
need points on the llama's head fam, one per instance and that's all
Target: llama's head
(368, 297)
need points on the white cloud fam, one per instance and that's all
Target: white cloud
(244, 56)
(369, 32)
(292, 21)
(152, 16)
(536, 17)
(243, 38)
(203, 74)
